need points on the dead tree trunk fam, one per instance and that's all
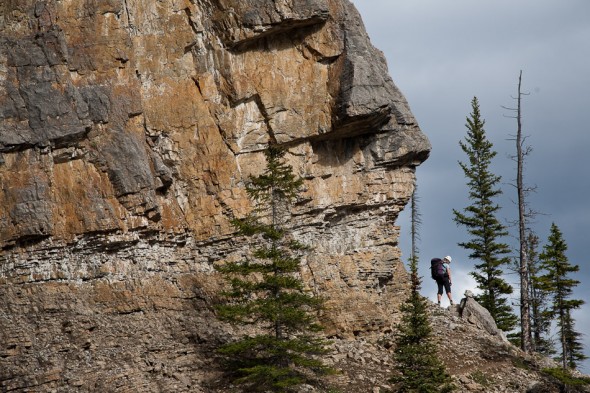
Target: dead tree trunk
(525, 305)
(526, 340)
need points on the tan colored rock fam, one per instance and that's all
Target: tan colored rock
(127, 131)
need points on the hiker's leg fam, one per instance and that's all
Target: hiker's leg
(447, 285)
(440, 290)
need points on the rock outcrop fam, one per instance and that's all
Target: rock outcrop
(473, 312)
(127, 129)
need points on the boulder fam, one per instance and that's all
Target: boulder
(473, 312)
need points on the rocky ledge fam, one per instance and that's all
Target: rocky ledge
(475, 352)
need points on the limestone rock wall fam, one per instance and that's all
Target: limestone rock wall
(127, 129)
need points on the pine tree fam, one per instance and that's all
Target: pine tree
(482, 224)
(418, 368)
(575, 353)
(540, 314)
(267, 291)
(560, 287)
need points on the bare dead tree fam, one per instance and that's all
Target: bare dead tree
(416, 222)
(524, 215)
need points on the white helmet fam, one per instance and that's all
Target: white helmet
(448, 258)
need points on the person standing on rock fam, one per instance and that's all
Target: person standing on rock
(444, 280)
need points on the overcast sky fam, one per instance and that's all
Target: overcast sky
(443, 53)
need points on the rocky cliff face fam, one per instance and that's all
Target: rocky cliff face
(127, 128)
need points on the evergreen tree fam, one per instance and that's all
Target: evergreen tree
(482, 224)
(418, 368)
(267, 292)
(575, 353)
(560, 287)
(540, 313)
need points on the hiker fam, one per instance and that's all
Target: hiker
(441, 272)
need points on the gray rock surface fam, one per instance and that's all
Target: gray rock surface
(473, 312)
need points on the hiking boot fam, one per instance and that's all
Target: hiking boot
(452, 303)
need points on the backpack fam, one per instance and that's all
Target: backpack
(437, 270)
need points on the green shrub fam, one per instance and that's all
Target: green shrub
(566, 377)
(481, 378)
(521, 363)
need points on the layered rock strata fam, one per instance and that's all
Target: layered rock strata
(127, 130)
